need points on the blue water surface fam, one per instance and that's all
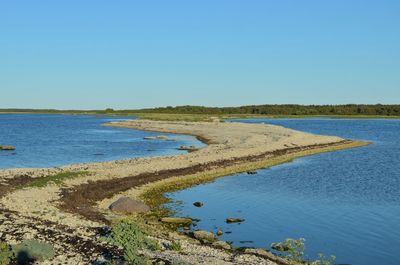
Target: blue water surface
(56, 140)
(345, 203)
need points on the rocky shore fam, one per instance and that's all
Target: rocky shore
(70, 208)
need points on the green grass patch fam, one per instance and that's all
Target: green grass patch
(56, 179)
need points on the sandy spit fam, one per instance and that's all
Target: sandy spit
(34, 208)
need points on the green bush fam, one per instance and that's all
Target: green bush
(175, 246)
(32, 250)
(128, 235)
(6, 254)
(293, 247)
(324, 260)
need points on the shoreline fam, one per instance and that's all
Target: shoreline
(81, 202)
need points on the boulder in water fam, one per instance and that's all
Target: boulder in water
(234, 220)
(198, 204)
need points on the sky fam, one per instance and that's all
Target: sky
(130, 54)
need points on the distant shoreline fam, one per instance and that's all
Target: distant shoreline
(207, 117)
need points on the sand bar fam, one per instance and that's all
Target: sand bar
(71, 209)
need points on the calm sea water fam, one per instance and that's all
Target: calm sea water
(56, 140)
(345, 203)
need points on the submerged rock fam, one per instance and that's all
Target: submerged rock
(281, 247)
(162, 137)
(234, 220)
(7, 148)
(177, 220)
(128, 205)
(149, 138)
(219, 232)
(204, 236)
(198, 204)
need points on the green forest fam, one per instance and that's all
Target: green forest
(288, 109)
(272, 110)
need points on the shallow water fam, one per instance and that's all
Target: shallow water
(345, 203)
(56, 140)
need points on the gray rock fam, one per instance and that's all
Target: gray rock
(128, 205)
(265, 254)
(221, 245)
(204, 236)
(234, 220)
(7, 147)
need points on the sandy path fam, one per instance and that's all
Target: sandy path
(72, 204)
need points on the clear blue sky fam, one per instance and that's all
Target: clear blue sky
(133, 54)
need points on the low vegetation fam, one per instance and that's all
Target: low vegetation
(32, 250)
(56, 179)
(294, 252)
(175, 246)
(128, 235)
(6, 254)
(293, 247)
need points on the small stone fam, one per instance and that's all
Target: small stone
(251, 172)
(221, 245)
(234, 220)
(198, 204)
(219, 232)
(7, 148)
(128, 205)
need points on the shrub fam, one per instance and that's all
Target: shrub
(294, 248)
(6, 254)
(175, 246)
(324, 260)
(126, 234)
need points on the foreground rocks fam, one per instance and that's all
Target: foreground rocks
(128, 205)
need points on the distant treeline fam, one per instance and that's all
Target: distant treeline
(286, 109)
